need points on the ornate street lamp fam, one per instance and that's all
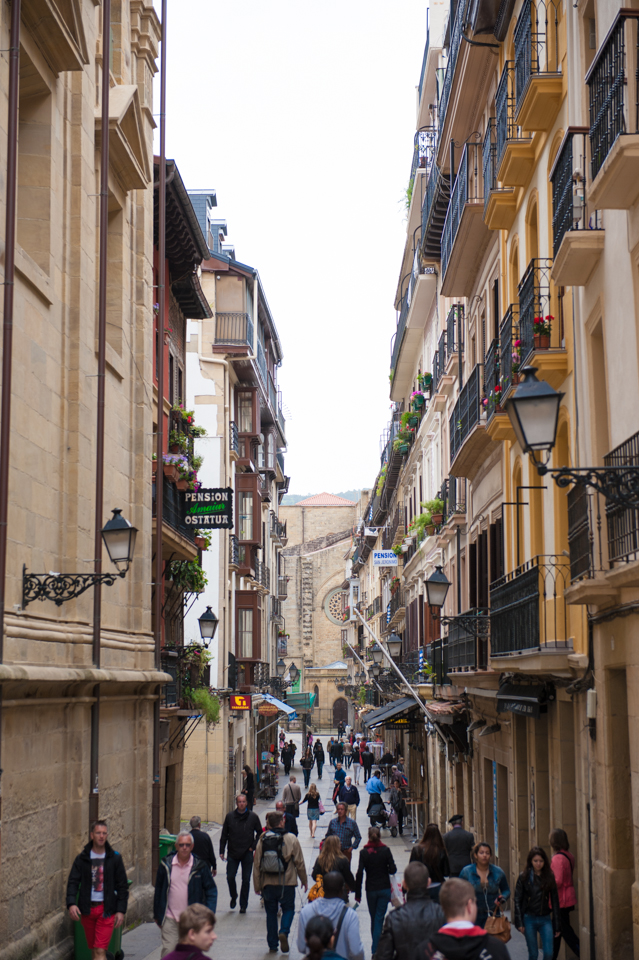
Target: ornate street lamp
(280, 667)
(394, 644)
(437, 587)
(534, 412)
(119, 539)
(376, 669)
(208, 624)
(293, 673)
(377, 653)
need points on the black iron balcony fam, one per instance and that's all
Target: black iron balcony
(437, 657)
(467, 645)
(573, 216)
(282, 588)
(464, 219)
(510, 351)
(509, 133)
(527, 607)
(434, 209)
(234, 551)
(580, 538)
(234, 329)
(537, 53)
(174, 510)
(534, 303)
(448, 345)
(614, 91)
(276, 609)
(423, 151)
(467, 412)
(439, 361)
(489, 161)
(492, 380)
(418, 270)
(234, 439)
(451, 63)
(453, 493)
(391, 528)
(623, 522)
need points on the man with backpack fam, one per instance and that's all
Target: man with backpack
(278, 864)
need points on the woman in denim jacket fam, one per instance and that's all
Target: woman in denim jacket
(489, 881)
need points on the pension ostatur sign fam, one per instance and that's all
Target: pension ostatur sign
(209, 508)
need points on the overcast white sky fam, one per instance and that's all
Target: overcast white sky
(301, 116)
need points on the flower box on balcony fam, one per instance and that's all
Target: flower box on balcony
(541, 341)
(200, 542)
(182, 484)
(171, 472)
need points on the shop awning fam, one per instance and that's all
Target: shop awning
(391, 711)
(301, 701)
(284, 707)
(527, 700)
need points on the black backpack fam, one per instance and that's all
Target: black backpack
(273, 853)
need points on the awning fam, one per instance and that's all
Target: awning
(392, 711)
(301, 701)
(527, 700)
(284, 707)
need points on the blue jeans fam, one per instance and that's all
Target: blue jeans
(231, 872)
(538, 925)
(274, 897)
(307, 777)
(320, 767)
(377, 901)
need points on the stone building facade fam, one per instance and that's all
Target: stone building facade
(320, 530)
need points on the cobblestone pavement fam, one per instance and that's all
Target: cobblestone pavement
(243, 937)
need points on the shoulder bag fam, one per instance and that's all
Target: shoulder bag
(498, 926)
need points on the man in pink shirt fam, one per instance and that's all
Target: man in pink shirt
(182, 880)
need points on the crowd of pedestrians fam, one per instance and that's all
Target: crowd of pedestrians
(450, 901)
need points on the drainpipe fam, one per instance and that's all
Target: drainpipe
(94, 789)
(7, 323)
(159, 498)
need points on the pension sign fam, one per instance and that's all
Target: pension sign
(385, 558)
(209, 508)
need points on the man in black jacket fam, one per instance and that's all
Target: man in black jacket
(289, 819)
(98, 880)
(458, 843)
(417, 919)
(202, 844)
(459, 938)
(241, 830)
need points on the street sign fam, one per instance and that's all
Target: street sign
(267, 710)
(209, 508)
(385, 558)
(239, 701)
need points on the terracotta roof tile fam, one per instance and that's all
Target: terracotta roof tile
(325, 500)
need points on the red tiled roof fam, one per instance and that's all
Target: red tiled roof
(325, 500)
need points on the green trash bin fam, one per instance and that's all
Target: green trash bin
(81, 947)
(167, 844)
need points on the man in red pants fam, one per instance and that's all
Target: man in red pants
(99, 875)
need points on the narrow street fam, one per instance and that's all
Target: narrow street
(244, 937)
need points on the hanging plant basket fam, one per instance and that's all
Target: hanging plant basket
(413, 421)
(418, 403)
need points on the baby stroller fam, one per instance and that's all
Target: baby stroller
(380, 817)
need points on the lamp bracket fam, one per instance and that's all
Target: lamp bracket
(619, 485)
(476, 625)
(63, 586)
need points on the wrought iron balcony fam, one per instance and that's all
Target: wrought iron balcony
(489, 161)
(465, 208)
(423, 151)
(174, 509)
(439, 361)
(282, 588)
(572, 214)
(623, 522)
(418, 270)
(467, 412)
(509, 133)
(434, 209)
(580, 537)
(453, 493)
(449, 342)
(534, 301)
(537, 51)
(390, 533)
(467, 646)
(451, 63)
(234, 439)
(527, 607)
(276, 609)
(234, 551)
(234, 329)
(437, 656)
(613, 90)
(492, 379)
(509, 352)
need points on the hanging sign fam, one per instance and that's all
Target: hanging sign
(209, 508)
(267, 710)
(385, 558)
(239, 701)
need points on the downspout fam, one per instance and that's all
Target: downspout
(7, 321)
(159, 498)
(94, 786)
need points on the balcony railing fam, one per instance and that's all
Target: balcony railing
(536, 43)
(234, 439)
(492, 384)
(261, 362)
(437, 657)
(272, 394)
(527, 607)
(507, 128)
(434, 209)
(509, 352)
(451, 63)
(569, 204)
(282, 588)
(423, 151)
(234, 329)
(276, 609)
(489, 161)
(580, 539)
(448, 344)
(614, 92)
(439, 361)
(388, 535)
(468, 188)
(534, 301)
(467, 412)
(453, 494)
(418, 270)
(234, 551)
(623, 522)
(464, 651)
(174, 509)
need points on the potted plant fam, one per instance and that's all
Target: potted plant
(394, 584)
(436, 510)
(425, 380)
(177, 442)
(397, 550)
(541, 332)
(170, 464)
(418, 399)
(516, 364)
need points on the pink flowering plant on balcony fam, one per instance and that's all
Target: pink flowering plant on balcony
(542, 325)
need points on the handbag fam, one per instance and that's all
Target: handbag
(498, 926)
(397, 894)
(317, 890)
(321, 807)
